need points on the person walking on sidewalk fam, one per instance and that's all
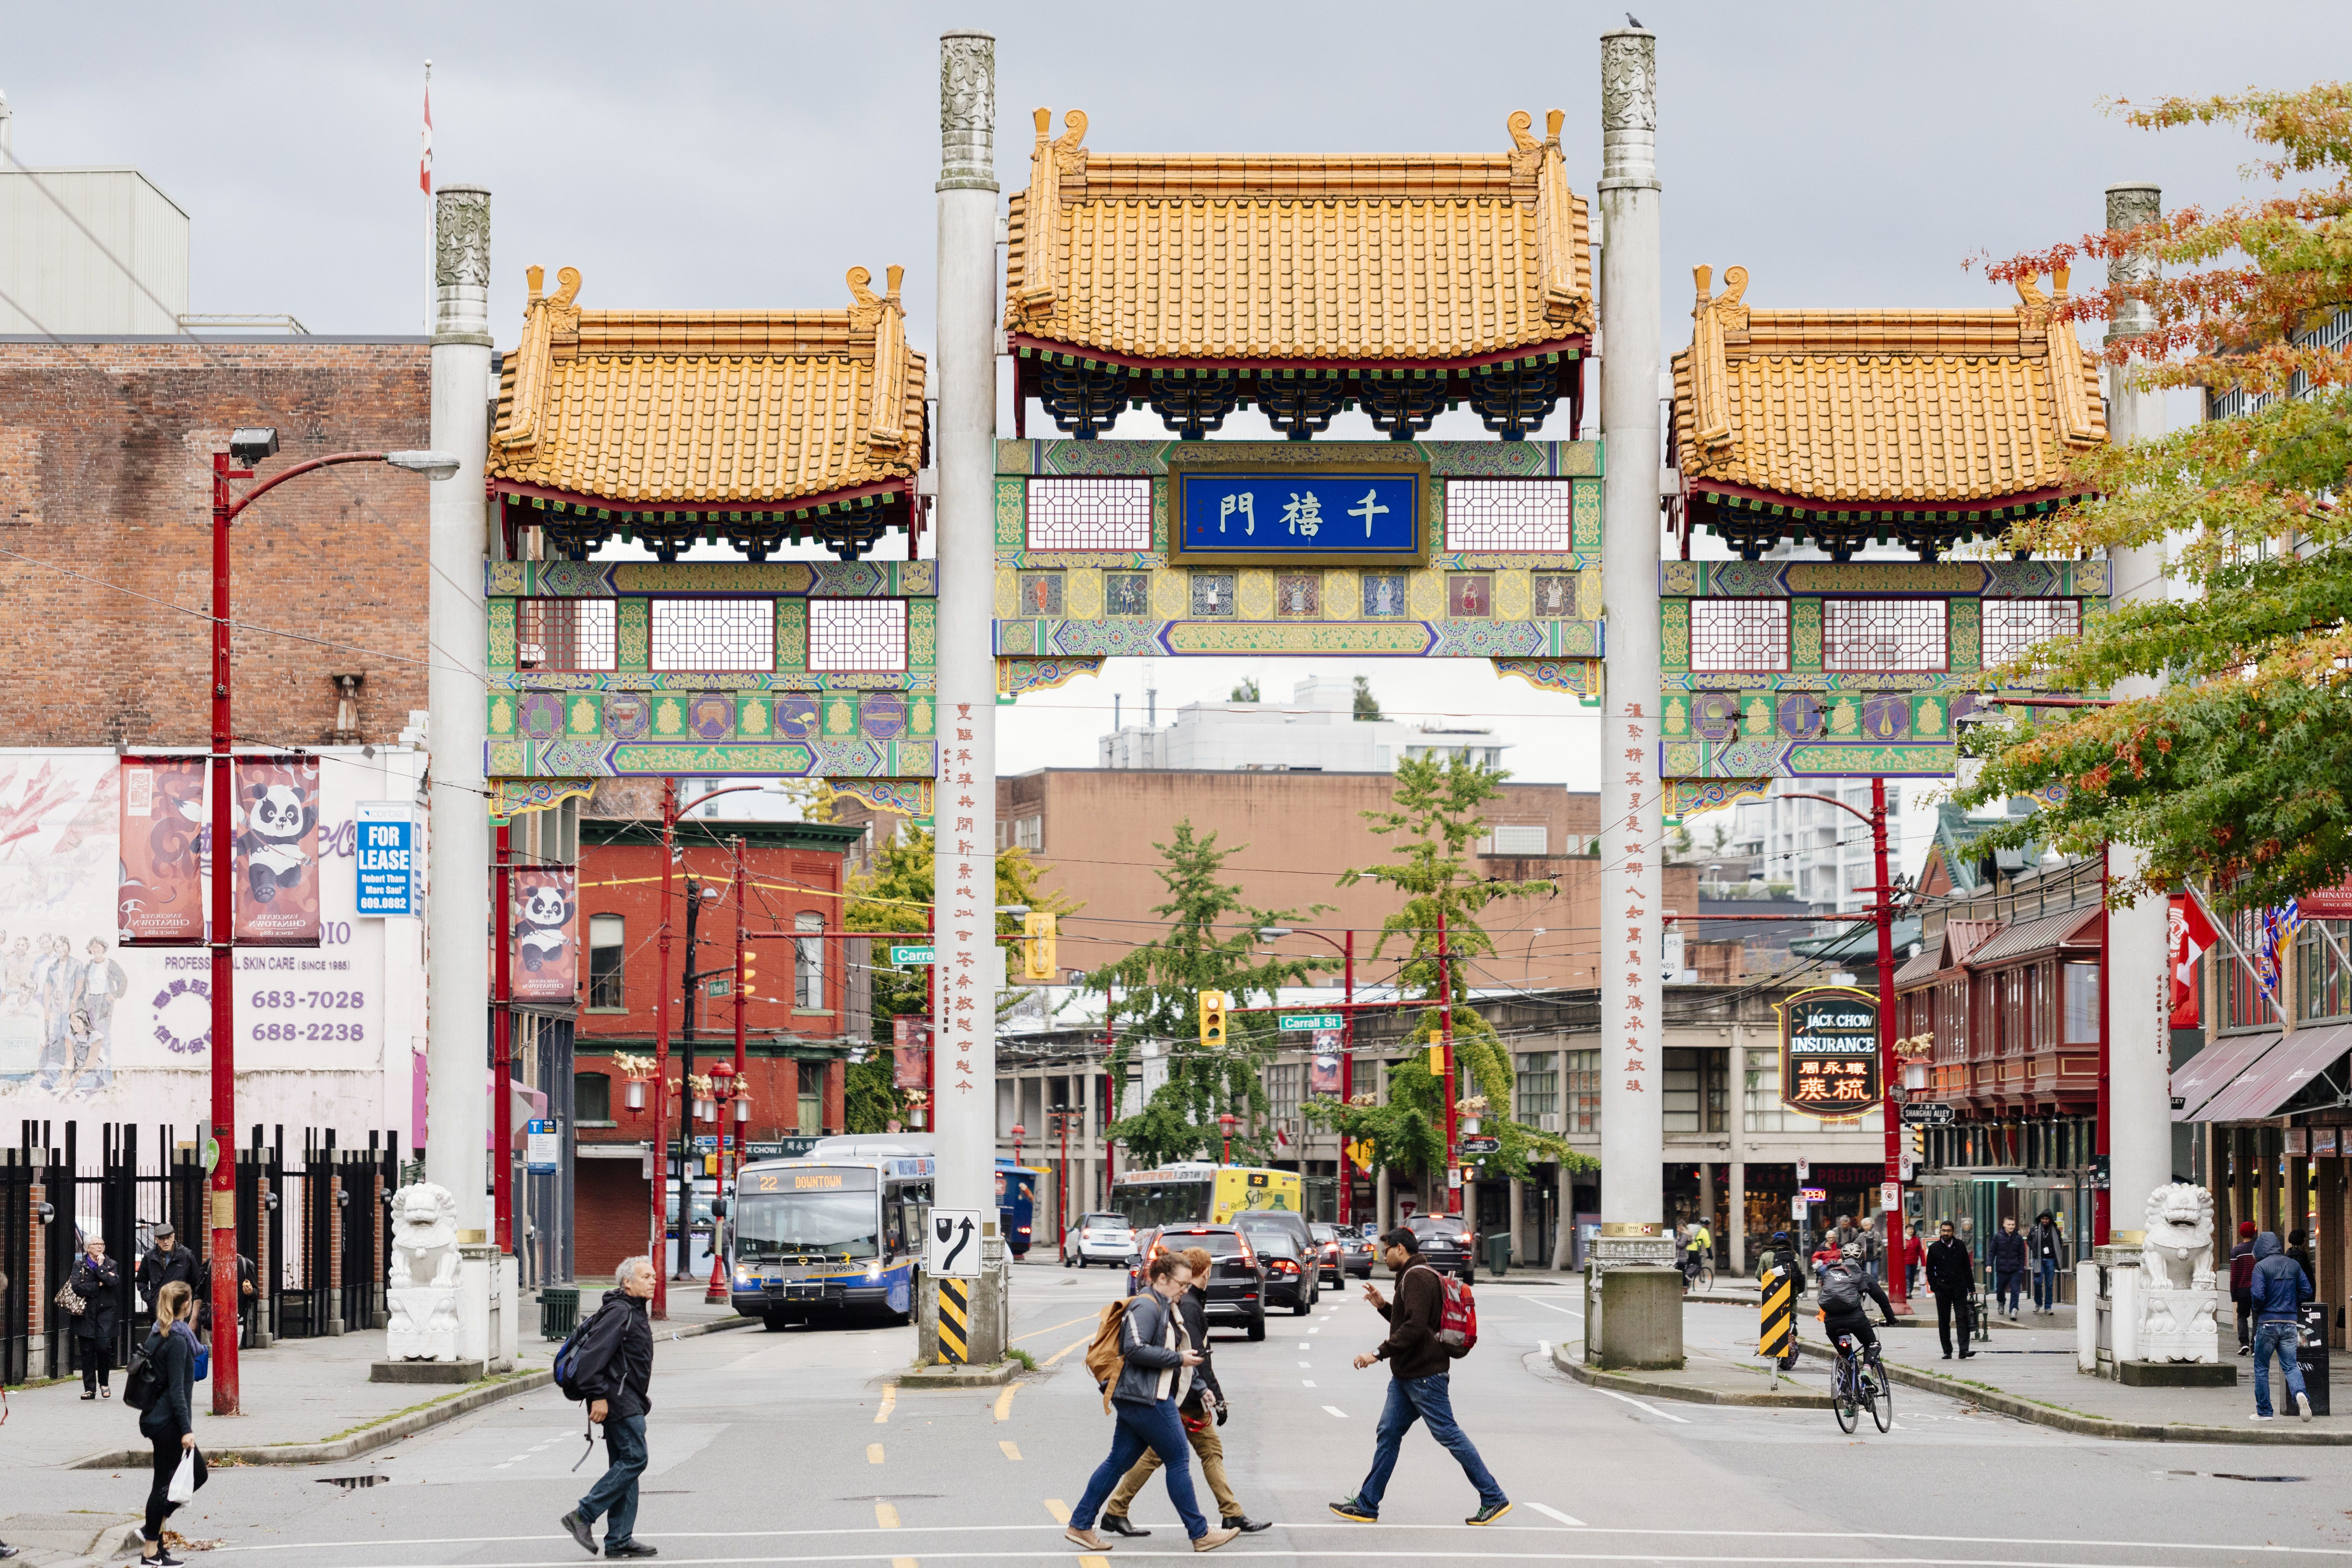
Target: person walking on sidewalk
(98, 1283)
(1952, 1275)
(620, 1398)
(2277, 1288)
(2242, 1276)
(166, 1262)
(2045, 1250)
(169, 1422)
(2008, 1266)
(1420, 1385)
(1782, 1254)
(1154, 1381)
(1915, 1259)
(1204, 1411)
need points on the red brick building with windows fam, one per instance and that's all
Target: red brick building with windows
(806, 1004)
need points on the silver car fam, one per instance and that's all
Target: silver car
(1097, 1238)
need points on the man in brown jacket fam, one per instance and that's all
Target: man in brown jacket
(1418, 1385)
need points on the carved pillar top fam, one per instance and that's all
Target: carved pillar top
(967, 111)
(461, 264)
(1629, 108)
(2130, 206)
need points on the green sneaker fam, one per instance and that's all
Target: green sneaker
(1348, 1508)
(1489, 1514)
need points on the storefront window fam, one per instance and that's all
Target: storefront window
(1584, 1091)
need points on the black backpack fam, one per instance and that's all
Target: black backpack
(1841, 1288)
(588, 1350)
(141, 1384)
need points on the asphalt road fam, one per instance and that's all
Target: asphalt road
(787, 1448)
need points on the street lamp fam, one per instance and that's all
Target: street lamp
(247, 445)
(1226, 1123)
(1019, 1133)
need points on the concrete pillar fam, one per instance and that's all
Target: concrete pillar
(1563, 1236)
(1735, 1216)
(1633, 1203)
(458, 855)
(1519, 1201)
(1706, 1210)
(2140, 988)
(963, 374)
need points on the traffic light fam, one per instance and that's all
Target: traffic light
(750, 974)
(1038, 953)
(1213, 1019)
(1437, 1058)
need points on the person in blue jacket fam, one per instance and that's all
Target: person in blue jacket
(2278, 1289)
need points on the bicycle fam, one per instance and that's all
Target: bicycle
(1861, 1382)
(1697, 1277)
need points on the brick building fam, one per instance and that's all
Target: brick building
(807, 1002)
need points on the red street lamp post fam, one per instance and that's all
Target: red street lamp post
(733, 1110)
(1226, 1123)
(1060, 1117)
(246, 448)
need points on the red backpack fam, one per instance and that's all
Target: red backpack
(1457, 1326)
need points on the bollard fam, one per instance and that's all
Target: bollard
(955, 1321)
(1777, 1341)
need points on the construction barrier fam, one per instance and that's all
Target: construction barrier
(955, 1321)
(1776, 1340)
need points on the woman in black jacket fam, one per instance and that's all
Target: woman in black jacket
(170, 1423)
(98, 1282)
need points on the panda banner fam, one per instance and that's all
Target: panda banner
(276, 862)
(158, 896)
(545, 922)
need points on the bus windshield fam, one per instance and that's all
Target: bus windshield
(807, 1217)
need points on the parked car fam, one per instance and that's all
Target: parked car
(1447, 1243)
(1327, 1251)
(1097, 1238)
(1261, 1225)
(1236, 1289)
(1289, 1277)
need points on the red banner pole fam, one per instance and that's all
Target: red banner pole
(502, 1045)
(660, 1247)
(221, 1223)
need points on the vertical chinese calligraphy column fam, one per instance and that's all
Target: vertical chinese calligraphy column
(1634, 1311)
(964, 1112)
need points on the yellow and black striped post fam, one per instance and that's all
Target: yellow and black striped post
(955, 1323)
(1776, 1342)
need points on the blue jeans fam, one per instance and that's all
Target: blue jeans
(1428, 1399)
(1142, 1426)
(2006, 1291)
(2045, 1284)
(615, 1491)
(2278, 1339)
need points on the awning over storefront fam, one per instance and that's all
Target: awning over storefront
(2213, 1070)
(2278, 1075)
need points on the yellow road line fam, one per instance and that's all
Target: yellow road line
(1041, 1333)
(1005, 1401)
(1011, 1451)
(1058, 1508)
(873, 1453)
(1076, 1345)
(890, 1402)
(1094, 1563)
(886, 1516)
(903, 1562)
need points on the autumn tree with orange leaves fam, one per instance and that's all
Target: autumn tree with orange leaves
(2234, 773)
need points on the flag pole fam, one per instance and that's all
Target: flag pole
(424, 182)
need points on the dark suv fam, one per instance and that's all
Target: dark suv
(1235, 1290)
(1256, 1223)
(1446, 1243)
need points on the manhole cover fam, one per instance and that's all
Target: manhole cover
(352, 1483)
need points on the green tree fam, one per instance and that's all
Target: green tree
(1152, 993)
(1244, 691)
(1368, 707)
(1434, 815)
(2234, 772)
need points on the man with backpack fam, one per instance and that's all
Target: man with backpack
(609, 1361)
(1420, 1350)
(1845, 1285)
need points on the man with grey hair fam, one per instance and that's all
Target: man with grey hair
(616, 1372)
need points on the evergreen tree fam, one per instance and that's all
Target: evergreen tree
(1434, 814)
(1211, 943)
(1368, 707)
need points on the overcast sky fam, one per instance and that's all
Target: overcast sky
(700, 156)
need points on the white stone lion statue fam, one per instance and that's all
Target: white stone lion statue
(2178, 1250)
(422, 1293)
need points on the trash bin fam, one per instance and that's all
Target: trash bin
(558, 1311)
(1498, 1255)
(2310, 1350)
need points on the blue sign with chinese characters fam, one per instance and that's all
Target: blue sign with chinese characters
(1305, 517)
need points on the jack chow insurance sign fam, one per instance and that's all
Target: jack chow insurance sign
(1829, 1052)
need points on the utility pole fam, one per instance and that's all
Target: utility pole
(1890, 1073)
(688, 979)
(1446, 1034)
(660, 1308)
(1346, 1066)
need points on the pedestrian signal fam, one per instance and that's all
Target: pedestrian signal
(1038, 955)
(1212, 1018)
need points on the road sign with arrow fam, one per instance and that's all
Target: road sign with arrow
(951, 1250)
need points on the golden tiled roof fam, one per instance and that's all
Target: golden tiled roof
(1883, 406)
(1254, 258)
(710, 407)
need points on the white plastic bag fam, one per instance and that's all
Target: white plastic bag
(184, 1479)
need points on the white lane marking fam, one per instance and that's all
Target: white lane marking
(1337, 1411)
(1555, 1513)
(1305, 1383)
(1308, 1364)
(1555, 1306)
(1639, 1406)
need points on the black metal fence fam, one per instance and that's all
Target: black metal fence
(312, 1223)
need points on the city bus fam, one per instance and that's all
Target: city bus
(1199, 1192)
(813, 1240)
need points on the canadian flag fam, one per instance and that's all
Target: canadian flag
(2192, 933)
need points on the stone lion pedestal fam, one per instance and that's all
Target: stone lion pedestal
(2158, 1304)
(444, 1296)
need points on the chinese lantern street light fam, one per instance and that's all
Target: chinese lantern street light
(1226, 1123)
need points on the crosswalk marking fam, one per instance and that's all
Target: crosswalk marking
(1337, 1411)
(1555, 1513)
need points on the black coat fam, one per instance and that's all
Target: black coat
(159, 1268)
(2008, 1252)
(1950, 1270)
(101, 1287)
(1194, 1315)
(172, 1353)
(626, 1382)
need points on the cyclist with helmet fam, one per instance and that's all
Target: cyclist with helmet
(1843, 1286)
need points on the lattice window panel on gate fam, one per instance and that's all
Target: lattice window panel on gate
(1089, 514)
(1885, 636)
(565, 633)
(714, 634)
(2013, 625)
(847, 634)
(1531, 515)
(1739, 634)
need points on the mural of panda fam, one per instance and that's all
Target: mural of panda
(277, 818)
(541, 924)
